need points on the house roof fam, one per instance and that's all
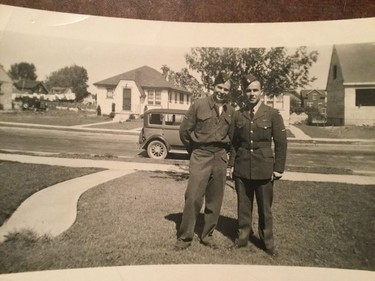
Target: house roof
(305, 93)
(144, 77)
(27, 84)
(4, 77)
(357, 62)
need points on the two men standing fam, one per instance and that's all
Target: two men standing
(209, 127)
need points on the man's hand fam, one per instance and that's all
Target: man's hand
(276, 175)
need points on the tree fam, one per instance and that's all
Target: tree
(184, 79)
(278, 70)
(23, 71)
(74, 77)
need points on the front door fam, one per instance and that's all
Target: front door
(126, 99)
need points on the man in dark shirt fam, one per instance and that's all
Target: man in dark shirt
(256, 166)
(204, 132)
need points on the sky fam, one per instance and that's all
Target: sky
(110, 46)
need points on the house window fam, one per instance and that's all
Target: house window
(170, 97)
(158, 97)
(110, 93)
(314, 96)
(181, 98)
(365, 97)
(188, 99)
(150, 96)
(309, 104)
(334, 72)
(175, 97)
(126, 99)
(154, 97)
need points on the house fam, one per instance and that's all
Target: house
(137, 90)
(29, 87)
(6, 86)
(351, 85)
(281, 103)
(62, 94)
(314, 98)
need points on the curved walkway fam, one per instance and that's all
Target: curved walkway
(54, 209)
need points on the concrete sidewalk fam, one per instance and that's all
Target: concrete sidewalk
(298, 133)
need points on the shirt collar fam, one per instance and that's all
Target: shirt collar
(256, 107)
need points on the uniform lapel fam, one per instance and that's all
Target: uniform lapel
(246, 114)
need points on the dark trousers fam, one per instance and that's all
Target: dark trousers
(263, 190)
(206, 182)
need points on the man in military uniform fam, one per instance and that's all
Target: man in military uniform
(204, 132)
(255, 165)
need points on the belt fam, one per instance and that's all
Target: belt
(212, 145)
(255, 145)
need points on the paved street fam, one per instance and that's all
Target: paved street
(346, 155)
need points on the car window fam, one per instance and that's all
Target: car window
(156, 119)
(173, 119)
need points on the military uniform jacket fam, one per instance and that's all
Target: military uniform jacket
(251, 152)
(203, 127)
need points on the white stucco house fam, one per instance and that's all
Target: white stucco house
(351, 85)
(6, 88)
(137, 90)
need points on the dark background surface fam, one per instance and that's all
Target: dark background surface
(224, 11)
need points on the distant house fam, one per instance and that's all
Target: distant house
(281, 103)
(351, 85)
(136, 90)
(6, 87)
(61, 93)
(314, 98)
(29, 87)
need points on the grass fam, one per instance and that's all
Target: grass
(342, 132)
(53, 117)
(20, 180)
(129, 221)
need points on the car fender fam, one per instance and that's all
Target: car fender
(156, 137)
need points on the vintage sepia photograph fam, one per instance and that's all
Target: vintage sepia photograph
(136, 149)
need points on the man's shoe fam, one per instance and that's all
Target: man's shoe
(240, 243)
(210, 244)
(181, 245)
(272, 252)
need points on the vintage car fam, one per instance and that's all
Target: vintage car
(160, 133)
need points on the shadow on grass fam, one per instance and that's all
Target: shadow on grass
(226, 225)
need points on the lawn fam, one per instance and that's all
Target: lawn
(53, 117)
(129, 221)
(340, 132)
(20, 180)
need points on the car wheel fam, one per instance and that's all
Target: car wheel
(157, 150)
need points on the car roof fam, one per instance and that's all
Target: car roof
(165, 110)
